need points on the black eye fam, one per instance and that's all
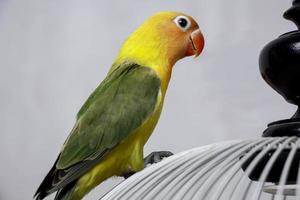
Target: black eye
(182, 22)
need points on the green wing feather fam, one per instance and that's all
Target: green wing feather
(125, 99)
(118, 106)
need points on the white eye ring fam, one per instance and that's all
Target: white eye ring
(182, 22)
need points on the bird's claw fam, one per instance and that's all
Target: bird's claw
(156, 157)
(127, 175)
(152, 158)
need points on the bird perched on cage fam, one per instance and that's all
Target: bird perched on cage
(117, 119)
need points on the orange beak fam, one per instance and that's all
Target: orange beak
(196, 44)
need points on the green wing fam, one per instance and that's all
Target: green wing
(119, 105)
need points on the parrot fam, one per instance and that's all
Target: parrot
(117, 119)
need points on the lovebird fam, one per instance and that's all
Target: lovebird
(118, 118)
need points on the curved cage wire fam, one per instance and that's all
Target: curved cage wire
(252, 169)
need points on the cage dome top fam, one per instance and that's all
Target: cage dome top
(220, 171)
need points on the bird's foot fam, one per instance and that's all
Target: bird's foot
(156, 157)
(127, 175)
(152, 158)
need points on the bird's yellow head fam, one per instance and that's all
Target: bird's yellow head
(162, 40)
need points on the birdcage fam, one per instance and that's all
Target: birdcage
(264, 168)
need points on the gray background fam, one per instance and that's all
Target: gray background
(54, 53)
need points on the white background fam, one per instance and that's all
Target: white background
(54, 53)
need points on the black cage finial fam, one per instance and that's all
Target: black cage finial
(279, 64)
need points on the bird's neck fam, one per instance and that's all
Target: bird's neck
(150, 53)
